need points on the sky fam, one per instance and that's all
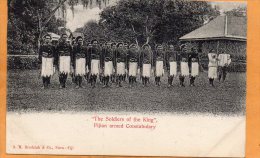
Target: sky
(83, 15)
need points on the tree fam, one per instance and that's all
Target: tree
(153, 21)
(28, 20)
(239, 11)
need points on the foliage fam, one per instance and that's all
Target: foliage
(22, 62)
(152, 21)
(28, 20)
(239, 11)
(25, 18)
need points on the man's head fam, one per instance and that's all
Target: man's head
(120, 45)
(171, 47)
(159, 47)
(64, 37)
(47, 38)
(113, 45)
(89, 45)
(79, 40)
(126, 45)
(94, 43)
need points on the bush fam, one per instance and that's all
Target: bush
(22, 62)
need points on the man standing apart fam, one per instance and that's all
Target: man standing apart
(224, 61)
(46, 59)
(64, 52)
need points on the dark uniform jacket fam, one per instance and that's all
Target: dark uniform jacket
(159, 56)
(47, 51)
(191, 56)
(146, 57)
(133, 55)
(79, 51)
(121, 55)
(180, 57)
(170, 56)
(107, 55)
(93, 53)
(63, 49)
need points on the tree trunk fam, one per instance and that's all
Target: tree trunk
(147, 40)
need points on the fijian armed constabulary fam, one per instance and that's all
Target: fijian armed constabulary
(110, 63)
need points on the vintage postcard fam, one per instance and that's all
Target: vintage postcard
(127, 77)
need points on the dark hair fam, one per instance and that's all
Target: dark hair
(212, 50)
(119, 44)
(93, 41)
(79, 37)
(113, 43)
(63, 34)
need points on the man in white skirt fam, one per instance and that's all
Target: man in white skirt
(184, 67)
(171, 64)
(193, 65)
(94, 52)
(79, 61)
(159, 64)
(132, 63)
(224, 61)
(64, 54)
(212, 67)
(46, 59)
(146, 60)
(108, 64)
(120, 64)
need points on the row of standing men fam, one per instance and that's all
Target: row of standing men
(113, 62)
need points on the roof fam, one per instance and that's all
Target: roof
(54, 36)
(222, 27)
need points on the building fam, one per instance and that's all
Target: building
(224, 34)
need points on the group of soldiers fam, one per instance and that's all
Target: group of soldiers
(114, 62)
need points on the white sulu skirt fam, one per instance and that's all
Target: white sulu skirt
(185, 69)
(146, 70)
(64, 64)
(194, 69)
(108, 68)
(120, 68)
(213, 72)
(173, 68)
(132, 68)
(47, 67)
(80, 66)
(95, 65)
(159, 71)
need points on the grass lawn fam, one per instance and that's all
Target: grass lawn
(25, 94)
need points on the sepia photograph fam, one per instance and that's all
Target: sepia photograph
(126, 77)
